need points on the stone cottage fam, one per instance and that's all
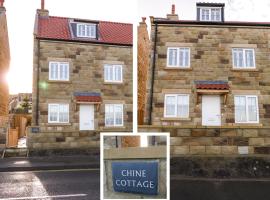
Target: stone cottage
(209, 83)
(82, 81)
(4, 67)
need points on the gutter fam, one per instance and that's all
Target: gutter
(153, 77)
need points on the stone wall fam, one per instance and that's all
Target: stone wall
(86, 75)
(211, 59)
(189, 141)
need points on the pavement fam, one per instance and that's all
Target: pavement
(49, 163)
(76, 184)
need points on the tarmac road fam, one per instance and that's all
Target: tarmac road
(58, 184)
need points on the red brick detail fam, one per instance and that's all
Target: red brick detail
(88, 99)
(213, 86)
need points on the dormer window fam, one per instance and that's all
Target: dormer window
(210, 12)
(86, 30)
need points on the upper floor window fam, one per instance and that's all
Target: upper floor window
(178, 57)
(243, 58)
(114, 115)
(86, 30)
(113, 73)
(210, 14)
(59, 71)
(176, 105)
(246, 109)
(58, 113)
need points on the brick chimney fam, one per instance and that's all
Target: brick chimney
(42, 11)
(172, 16)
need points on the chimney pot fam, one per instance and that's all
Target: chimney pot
(143, 19)
(173, 9)
(42, 4)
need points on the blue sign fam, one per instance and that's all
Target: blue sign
(135, 177)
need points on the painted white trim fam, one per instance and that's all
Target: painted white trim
(57, 104)
(177, 57)
(114, 116)
(247, 114)
(175, 111)
(244, 58)
(113, 76)
(210, 14)
(58, 71)
(85, 25)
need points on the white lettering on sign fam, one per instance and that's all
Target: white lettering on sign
(134, 183)
(133, 173)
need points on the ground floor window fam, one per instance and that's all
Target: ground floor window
(113, 114)
(58, 113)
(246, 109)
(176, 105)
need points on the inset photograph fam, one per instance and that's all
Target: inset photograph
(135, 167)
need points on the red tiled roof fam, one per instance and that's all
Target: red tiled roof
(109, 32)
(88, 98)
(213, 86)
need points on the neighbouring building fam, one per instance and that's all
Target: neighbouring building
(4, 67)
(209, 83)
(20, 103)
(82, 82)
(143, 67)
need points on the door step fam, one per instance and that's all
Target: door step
(15, 152)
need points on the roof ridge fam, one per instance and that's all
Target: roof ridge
(91, 20)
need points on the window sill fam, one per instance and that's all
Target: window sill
(113, 127)
(113, 83)
(245, 70)
(247, 124)
(175, 119)
(179, 68)
(58, 124)
(55, 81)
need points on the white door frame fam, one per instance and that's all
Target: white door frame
(211, 117)
(89, 114)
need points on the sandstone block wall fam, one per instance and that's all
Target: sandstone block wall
(211, 59)
(86, 65)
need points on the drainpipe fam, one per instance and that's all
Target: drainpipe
(37, 84)
(153, 77)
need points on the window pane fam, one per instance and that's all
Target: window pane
(53, 71)
(249, 58)
(182, 106)
(109, 115)
(252, 108)
(172, 57)
(53, 113)
(63, 113)
(240, 109)
(118, 109)
(238, 58)
(118, 72)
(106, 72)
(63, 71)
(170, 102)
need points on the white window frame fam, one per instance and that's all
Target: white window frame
(177, 57)
(244, 58)
(247, 114)
(113, 75)
(210, 14)
(85, 25)
(114, 115)
(58, 112)
(175, 115)
(58, 71)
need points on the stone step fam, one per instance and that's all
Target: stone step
(15, 152)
